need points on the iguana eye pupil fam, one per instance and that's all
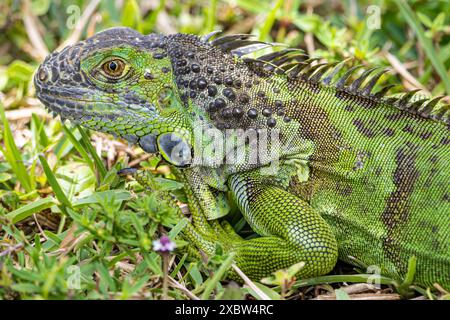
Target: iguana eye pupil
(113, 68)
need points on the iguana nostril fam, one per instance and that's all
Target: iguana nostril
(42, 74)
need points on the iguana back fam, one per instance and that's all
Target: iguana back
(380, 176)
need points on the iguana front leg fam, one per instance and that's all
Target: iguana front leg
(203, 204)
(291, 231)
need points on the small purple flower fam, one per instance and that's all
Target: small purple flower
(164, 244)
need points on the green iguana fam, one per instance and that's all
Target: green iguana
(320, 168)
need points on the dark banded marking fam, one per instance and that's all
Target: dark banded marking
(398, 206)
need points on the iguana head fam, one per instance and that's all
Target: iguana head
(154, 89)
(118, 82)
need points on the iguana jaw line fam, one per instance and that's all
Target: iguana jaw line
(79, 113)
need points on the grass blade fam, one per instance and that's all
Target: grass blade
(212, 282)
(211, 16)
(13, 155)
(79, 148)
(86, 142)
(119, 195)
(426, 43)
(31, 208)
(59, 193)
(151, 20)
(176, 230)
(38, 126)
(270, 20)
(356, 278)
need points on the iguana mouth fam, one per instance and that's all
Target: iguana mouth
(70, 103)
(67, 101)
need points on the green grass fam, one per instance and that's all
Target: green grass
(71, 228)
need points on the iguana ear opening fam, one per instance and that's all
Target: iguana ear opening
(175, 149)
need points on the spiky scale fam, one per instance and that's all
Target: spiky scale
(357, 83)
(309, 72)
(210, 35)
(230, 38)
(367, 90)
(380, 94)
(300, 66)
(340, 84)
(327, 80)
(234, 45)
(427, 108)
(319, 73)
(416, 105)
(403, 102)
(249, 49)
(279, 54)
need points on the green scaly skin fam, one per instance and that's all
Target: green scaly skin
(361, 177)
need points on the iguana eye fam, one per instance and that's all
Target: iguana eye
(114, 68)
